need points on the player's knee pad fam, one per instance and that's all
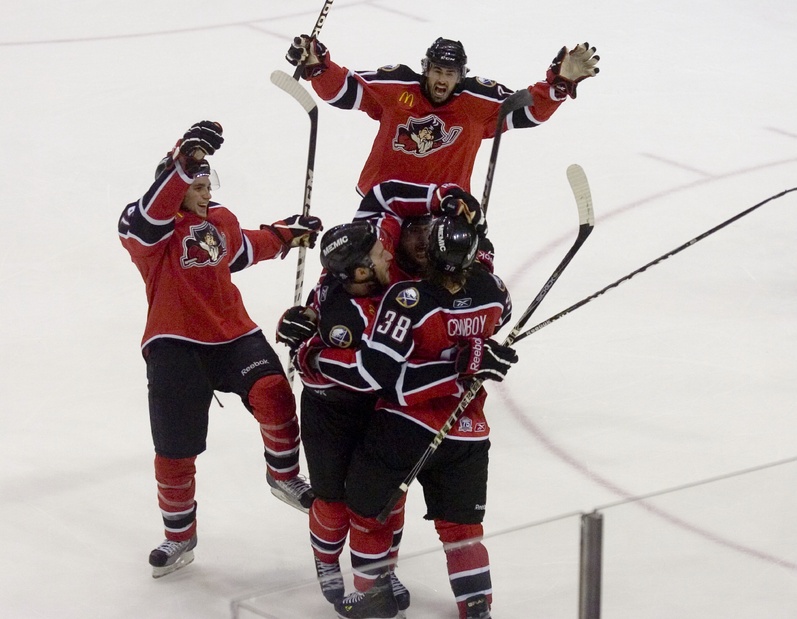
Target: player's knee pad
(271, 400)
(451, 532)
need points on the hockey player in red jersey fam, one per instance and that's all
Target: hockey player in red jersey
(198, 336)
(430, 338)
(431, 124)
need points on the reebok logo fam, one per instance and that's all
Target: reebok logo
(475, 355)
(252, 366)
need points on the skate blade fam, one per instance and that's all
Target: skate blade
(185, 559)
(288, 501)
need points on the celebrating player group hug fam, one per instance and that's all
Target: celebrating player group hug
(398, 330)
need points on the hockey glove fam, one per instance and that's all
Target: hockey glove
(296, 231)
(571, 67)
(305, 359)
(485, 254)
(484, 359)
(451, 199)
(294, 327)
(310, 53)
(204, 135)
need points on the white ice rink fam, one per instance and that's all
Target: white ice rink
(683, 374)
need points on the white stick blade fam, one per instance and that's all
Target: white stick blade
(580, 186)
(285, 82)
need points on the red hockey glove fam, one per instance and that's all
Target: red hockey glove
(571, 67)
(309, 52)
(451, 199)
(485, 254)
(305, 359)
(296, 231)
(484, 359)
(294, 327)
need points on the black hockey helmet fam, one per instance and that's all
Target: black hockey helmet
(446, 53)
(452, 244)
(346, 247)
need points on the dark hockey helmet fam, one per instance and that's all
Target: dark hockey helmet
(452, 244)
(346, 247)
(446, 53)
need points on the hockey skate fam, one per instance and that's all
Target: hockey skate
(330, 579)
(295, 491)
(477, 607)
(171, 556)
(376, 603)
(401, 594)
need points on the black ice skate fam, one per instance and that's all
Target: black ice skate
(477, 607)
(295, 491)
(376, 603)
(330, 579)
(401, 594)
(171, 556)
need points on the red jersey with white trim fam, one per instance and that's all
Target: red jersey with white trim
(410, 354)
(418, 141)
(187, 261)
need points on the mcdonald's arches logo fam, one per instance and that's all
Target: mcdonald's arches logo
(407, 98)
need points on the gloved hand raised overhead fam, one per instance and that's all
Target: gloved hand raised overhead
(310, 53)
(571, 67)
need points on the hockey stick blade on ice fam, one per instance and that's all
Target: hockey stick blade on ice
(284, 82)
(515, 101)
(586, 223)
(661, 258)
(319, 23)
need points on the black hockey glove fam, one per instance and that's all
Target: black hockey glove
(451, 199)
(296, 231)
(571, 67)
(484, 359)
(310, 53)
(204, 135)
(294, 327)
(195, 167)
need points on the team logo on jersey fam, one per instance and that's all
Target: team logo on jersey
(423, 136)
(465, 424)
(203, 246)
(462, 303)
(340, 336)
(408, 297)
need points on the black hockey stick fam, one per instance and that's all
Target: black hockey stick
(515, 101)
(586, 222)
(322, 17)
(283, 81)
(677, 250)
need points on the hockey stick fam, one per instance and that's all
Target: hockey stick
(677, 250)
(515, 101)
(316, 31)
(586, 222)
(284, 81)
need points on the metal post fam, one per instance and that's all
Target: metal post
(589, 603)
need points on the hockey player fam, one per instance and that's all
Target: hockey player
(198, 336)
(430, 338)
(335, 404)
(431, 124)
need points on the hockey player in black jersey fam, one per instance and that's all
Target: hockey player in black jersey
(430, 338)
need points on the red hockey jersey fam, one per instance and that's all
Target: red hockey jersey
(418, 141)
(186, 263)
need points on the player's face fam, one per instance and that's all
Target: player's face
(197, 197)
(381, 259)
(413, 243)
(440, 82)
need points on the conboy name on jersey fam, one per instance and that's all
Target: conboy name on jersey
(466, 326)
